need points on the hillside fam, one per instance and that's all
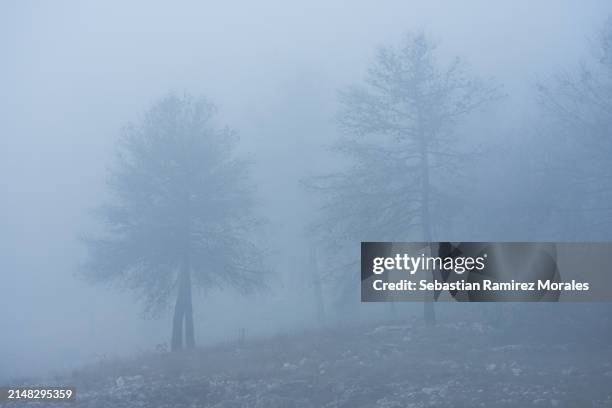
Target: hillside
(399, 364)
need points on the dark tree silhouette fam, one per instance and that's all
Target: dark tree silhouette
(400, 135)
(181, 213)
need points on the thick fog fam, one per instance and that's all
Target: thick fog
(74, 73)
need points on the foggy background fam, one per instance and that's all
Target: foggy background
(73, 73)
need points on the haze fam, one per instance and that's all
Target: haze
(73, 73)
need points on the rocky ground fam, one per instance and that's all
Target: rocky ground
(399, 364)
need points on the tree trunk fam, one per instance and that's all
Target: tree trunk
(317, 286)
(429, 313)
(183, 311)
(189, 335)
(177, 320)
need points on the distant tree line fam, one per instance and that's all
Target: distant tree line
(182, 213)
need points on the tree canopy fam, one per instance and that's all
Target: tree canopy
(181, 209)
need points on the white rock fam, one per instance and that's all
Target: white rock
(120, 382)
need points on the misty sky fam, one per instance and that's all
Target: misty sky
(73, 73)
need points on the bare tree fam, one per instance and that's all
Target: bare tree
(181, 214)
(580, 102)
(401, 142)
